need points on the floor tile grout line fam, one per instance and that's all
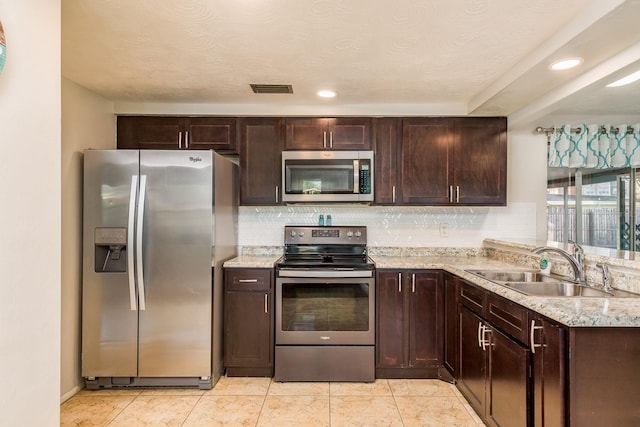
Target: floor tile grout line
(264, 400)
(192, 408)
(329, 403)
(393, 396)
(122, 410)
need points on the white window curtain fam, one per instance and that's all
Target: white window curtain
(595, 146)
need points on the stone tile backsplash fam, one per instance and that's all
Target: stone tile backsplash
(394, 226)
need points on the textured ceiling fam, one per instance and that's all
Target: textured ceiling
(413, 52)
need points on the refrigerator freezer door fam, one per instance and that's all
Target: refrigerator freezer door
(109, 321)
(175, 327)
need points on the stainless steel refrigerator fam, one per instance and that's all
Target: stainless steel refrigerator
(154, 225)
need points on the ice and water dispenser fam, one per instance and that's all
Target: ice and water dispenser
(110, 250)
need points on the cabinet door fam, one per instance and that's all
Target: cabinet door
(480, 160)
(211, 133)
(390, 335)
(451, 290)
(306, 134)
(425, 318)
(260, 161)
(350, 133)
(247, 329)
(386, 136)
(424, 161)
(248, 321)
(508, 403)
(473, 361)
(549, 371)
(160, 133)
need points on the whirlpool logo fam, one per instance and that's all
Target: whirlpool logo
(195, 159)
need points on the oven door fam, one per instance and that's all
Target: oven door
(325, 311)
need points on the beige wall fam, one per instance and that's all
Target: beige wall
(30, 214)
(527, 175)
(87, 122)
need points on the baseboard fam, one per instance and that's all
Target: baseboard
(69, 394)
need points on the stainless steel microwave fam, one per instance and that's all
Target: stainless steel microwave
(327, 176)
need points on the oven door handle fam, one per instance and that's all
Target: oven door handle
(298, 272)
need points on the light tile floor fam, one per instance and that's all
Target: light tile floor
(263, 402)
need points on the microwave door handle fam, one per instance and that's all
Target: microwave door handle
(356, 176)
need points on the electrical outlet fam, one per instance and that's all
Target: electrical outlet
(444, 230)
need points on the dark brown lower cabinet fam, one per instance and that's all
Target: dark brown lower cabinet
(603, 377)
(248, 322)
(494, 372)
(549, 354)
(451, 313)
(409, 330)
(519, 368)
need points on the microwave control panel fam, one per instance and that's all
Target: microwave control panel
(365, 177)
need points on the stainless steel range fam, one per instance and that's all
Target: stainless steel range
(325, 306)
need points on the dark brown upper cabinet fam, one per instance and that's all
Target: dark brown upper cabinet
(178, 133)
(479, 161)
(342, 133)
(261, 142)
(441, 161)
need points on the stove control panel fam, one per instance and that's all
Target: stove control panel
(339, 235)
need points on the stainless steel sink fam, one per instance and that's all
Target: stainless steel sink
(532, 282)
(556, 289)
(514, 275)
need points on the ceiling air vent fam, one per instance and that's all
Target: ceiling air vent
(262, 88)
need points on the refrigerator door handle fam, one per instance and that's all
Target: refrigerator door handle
(130, 227)
(139, 235)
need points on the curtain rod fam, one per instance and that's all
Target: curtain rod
(603, 129)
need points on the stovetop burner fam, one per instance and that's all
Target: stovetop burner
(325, 247)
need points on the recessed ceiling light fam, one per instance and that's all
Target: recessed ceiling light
(327, 93)
(565, 64)
(626, 80)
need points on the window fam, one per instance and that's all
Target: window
(594, 207)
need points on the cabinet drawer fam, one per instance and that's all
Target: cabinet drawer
(472, 297)
(248, 279)
(508, 316)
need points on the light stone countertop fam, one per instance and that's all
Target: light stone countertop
(252, 261)
(573, 311)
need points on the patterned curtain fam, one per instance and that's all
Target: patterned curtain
(595, 146)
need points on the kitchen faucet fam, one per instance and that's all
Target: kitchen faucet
(606, 278)
(575, 258)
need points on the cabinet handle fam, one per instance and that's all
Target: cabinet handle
(457, 194)
(180, 140)
(331, 139)
(277, 194)
(399, 282)
(393, 194)
(532, 338)
(248, 280)
(485, 341)
(451, 194)
(266, 303)
(480, 327)
(324, 139)
(186, 139)
(413, 283)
